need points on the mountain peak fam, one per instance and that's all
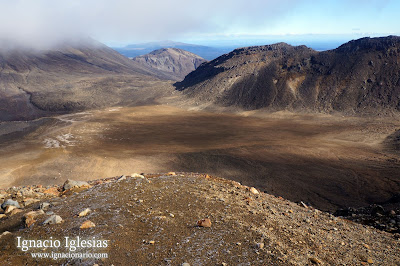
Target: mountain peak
(170, 63)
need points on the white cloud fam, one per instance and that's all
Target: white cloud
(42, 23)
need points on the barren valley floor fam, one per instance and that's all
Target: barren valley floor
(326, 161)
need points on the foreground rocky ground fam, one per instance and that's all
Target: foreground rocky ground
(177, 218)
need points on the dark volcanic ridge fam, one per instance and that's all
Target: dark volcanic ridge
(179, 218)
(361, 76)
(170, 63)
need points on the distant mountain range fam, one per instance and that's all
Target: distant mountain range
(170, 63)
(361, 76)
(205, 52)
(73, 77)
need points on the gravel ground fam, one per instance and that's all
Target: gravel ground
(153, 220)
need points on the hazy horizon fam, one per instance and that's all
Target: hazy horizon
(45, 23)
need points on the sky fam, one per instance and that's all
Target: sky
(44, 23)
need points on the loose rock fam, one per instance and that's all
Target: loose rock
(121, 178)
(85, 212)
(30, 217)
(254, 191)
(204, 222)
(260, 245)
(10, 202)
(54, 219)
(72, 183)
(303, 205)
(136, 175)
(87, 224)
(44, 205)
(29, 201)
(52, 191)
(9, 209)
(315, 261)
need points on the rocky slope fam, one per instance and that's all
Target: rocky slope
(75, 76)
(170, 63)
(179, 218)
(361, 76)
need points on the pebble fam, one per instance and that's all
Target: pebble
(152, 242)
(87, 224)
(315, 261)
(52, 191)
(9, 208)
(123, 177)
(254, 191)
(204, 222)
(260, 245)
(85, 212)
(72, 183)
(2, 216)
(135, 175)
(44, 205)
(171, 173)
(303, 205)
(10, 202)
(54, 219)
(29, 201)
(185, 264)
(30, 217)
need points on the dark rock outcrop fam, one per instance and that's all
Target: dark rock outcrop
(361, 76)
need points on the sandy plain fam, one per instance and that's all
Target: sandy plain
(324, 160)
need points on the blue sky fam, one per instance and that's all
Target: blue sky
(120, 22)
